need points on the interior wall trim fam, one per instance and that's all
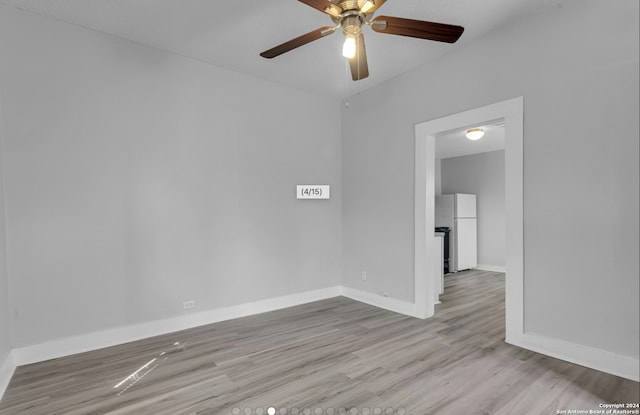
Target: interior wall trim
(7, 368)
(111, 337)
(387, 303)
(124, 334)
(512, 113)
(492, 268)
(615, 364)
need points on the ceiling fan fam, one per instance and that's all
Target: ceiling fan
(350, 15)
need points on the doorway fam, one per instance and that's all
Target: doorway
(511, 111)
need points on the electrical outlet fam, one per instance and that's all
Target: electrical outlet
(188, 305)
(364, 275)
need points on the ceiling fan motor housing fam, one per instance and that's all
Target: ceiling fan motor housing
(347, 5)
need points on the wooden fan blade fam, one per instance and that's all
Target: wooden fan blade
(325, 6)
(370, 6)
(297, 42)
(358, 64)
(417, 28)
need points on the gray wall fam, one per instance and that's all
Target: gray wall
(5, 331)
(483, 175)
(137, 179)
(577, 68)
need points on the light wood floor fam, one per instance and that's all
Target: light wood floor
(330, 357)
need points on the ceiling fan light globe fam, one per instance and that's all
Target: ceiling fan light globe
(349, 47)
(368, 5)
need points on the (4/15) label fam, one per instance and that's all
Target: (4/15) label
(313, 191)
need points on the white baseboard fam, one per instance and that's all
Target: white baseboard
(111, 337)
(492, 268)
(7, 367)
(624, 366)
(387, 303)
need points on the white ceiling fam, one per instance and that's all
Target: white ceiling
(456, 144)
(231, 34)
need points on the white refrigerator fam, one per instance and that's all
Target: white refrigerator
(458, 212)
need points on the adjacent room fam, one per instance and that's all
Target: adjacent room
(207, 208)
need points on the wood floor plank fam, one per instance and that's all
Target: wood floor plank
(326, 356)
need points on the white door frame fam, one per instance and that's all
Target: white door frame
(512, 112)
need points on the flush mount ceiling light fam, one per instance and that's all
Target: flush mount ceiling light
(475, 134)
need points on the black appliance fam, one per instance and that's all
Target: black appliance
(445, 252)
